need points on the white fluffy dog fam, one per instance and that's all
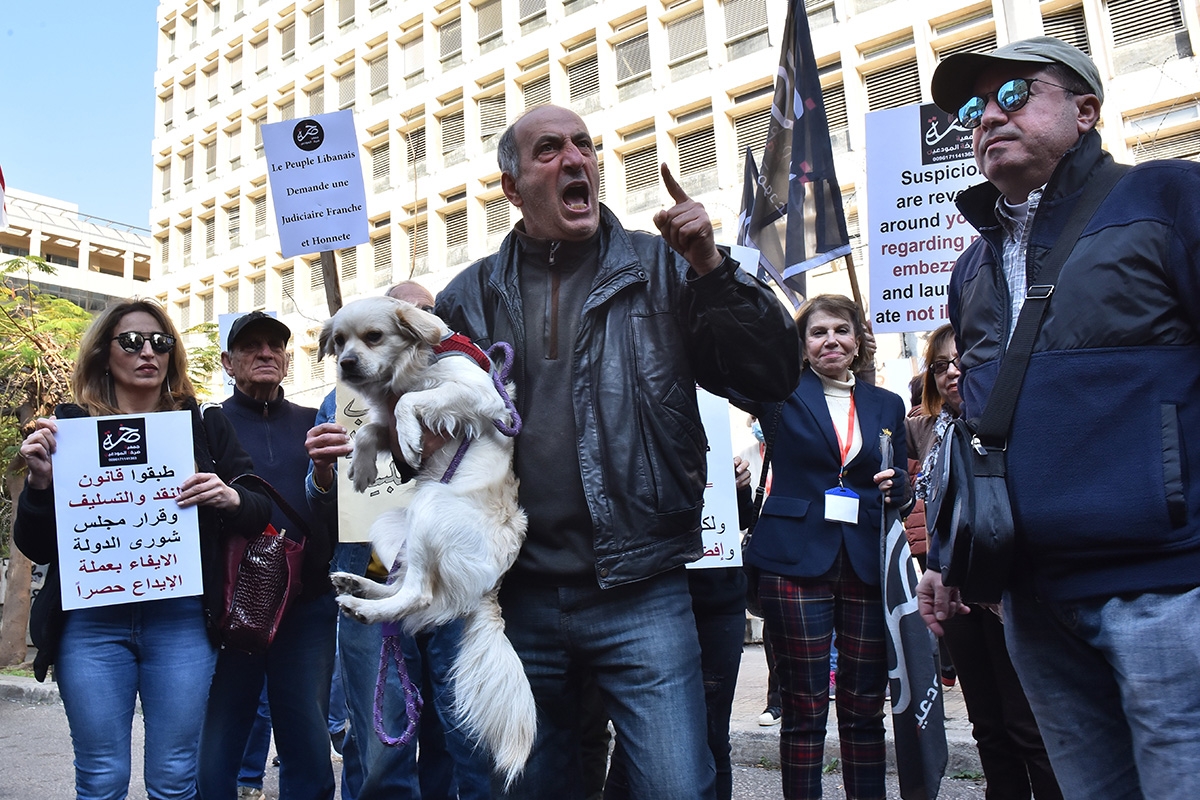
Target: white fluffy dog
(458, 537)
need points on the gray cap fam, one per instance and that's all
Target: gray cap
(256, 319)
(954, 79)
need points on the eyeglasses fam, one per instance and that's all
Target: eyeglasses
(941, 365)
(1011, 96)
(133, 341)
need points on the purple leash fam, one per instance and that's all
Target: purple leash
(499, 378)
(412, 695)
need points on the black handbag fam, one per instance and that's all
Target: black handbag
(968, 504)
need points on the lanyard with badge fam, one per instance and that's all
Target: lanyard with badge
(841, 504)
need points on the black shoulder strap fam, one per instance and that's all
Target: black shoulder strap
(997, 416)
(248, 479)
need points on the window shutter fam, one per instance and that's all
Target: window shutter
(641, 169)
(287, 36)
(210, 236)
(531, 8)
(980, 44)
(381, 163)
(456, 228)
(185, 315)
(288, 110)
(234, 225)
(1069, 26)
(316, 278)
(633, 57)
(453, 133)
(744, 16)
(316, 367)
(316, 100)
(1133, 20)
(259, 287)
(414, 56)
(416, 146)
(187, 169)
(894, 86)
(697, 151)
(346, 90)
(685, 36)
(583, 78)
(164, 252)
(383, 259)
(537, 92)
(345, 11)
(490, 18)
(287, 282)
(497, 214)
(349, 263)
(260, 213)
(834, 97)
(207, 305)
(451, 39)
(232, 304)
(1180, 145)
(210, 156)
(379, 74)
(492, 115)
(187, 242)
(316, 24)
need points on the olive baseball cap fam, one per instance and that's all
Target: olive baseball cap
(954, 79)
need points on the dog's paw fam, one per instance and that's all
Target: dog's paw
(358, 608)
(363, 471)
(345, 583)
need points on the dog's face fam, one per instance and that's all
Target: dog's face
(380, 342)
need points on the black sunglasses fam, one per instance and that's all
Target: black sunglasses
(133, 341)
(1011, 96)
(941, 365)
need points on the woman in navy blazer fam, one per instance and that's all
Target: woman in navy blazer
(817, 548)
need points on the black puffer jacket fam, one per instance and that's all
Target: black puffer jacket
(651, 330)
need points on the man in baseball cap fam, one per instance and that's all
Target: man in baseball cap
(1100, 618)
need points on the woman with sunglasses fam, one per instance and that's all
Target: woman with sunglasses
(104, 658)
(1010, 747)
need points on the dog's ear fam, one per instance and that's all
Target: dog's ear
(325, 340)
(425, 326)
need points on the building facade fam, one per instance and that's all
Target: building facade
(432, 85)
(96, 260)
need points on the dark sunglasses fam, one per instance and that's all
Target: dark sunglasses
(1011, 96)
(133, 341)
(941, 365)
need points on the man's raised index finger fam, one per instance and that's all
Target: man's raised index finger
(673, 188)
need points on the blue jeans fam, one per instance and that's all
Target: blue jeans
(639, 641)
(1115, 686)
(298, 668)
(108, 656)
(258, 746)
(451, 766)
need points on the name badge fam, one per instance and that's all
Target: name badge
(841, 505)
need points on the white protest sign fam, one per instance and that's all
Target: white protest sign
(722, 536)
(918, 160)
(121, 536)
(357, 510)
(316, 183)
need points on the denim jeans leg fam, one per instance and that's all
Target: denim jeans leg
(721, 637)
(97, 679)
(232, 707)
(258, 746)
(299, 673)
(1075, 696)
(176, 667)
(470, 764)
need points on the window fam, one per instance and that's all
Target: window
(834, 97)
(189, 99)
(210, 236)
(287, 36)
(287, 287)
(235, 147)
(1136, 20)
(287, 110)
(686, 45)
(450, 43)
(633, 66)
(185, 314)
(258, 123)
(745, 27)
(168, 110)
(490, 20)
(316, 25)
(641, 178)
(348, 259)
(210, 85)
(234, 224)
(316, 367)
(418, 238)
(492, 119)
(414, 61)
(497, 214)
(1179, 145)
(235, 72)
(698, 160)
(416, 152)
(206, 302)
(453, 137)
(751, 131)
(316, 100)
(382, 245)
(210, 157)
(164, 252)
(532, 15)
(378, 68)
(345, 12)
(894, 86)
(984, 43)
(258, 291)
(260, 216)
(260, 56)
(346, 90)
(456, 237)
(316, 279)
(187, 169)
(537, 92)
(381, 166)
(1069, 26)
(186, 236)
(164, 172)
(583, 84)
(231, 299)
(821, 13)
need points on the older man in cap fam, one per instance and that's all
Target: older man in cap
(1101, 617)
(299, 664)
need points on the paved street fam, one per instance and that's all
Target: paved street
(35, 745)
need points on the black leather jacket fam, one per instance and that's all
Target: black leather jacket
(651, 330)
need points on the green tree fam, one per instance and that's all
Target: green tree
(39, 338)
